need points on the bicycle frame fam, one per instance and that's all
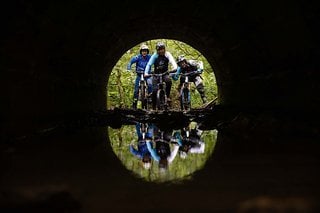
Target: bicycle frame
(143, 91)
(161, 96)
(161, 92)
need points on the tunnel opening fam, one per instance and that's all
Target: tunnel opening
(124, 76)
(130, 144)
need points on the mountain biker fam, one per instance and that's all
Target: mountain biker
(160, 60)
(142, 152)
(187, 66)
(190, 143)
(141, 61)
(162, 152)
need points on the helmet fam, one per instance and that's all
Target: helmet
(160, 45)
(144, 47)
(146, 165)
(180, 59)
(182, 154)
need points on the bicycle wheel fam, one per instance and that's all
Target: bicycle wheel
(185, 102)
(143, 127)
(161, 100)
(144, 97)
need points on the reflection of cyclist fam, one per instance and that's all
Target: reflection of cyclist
(188, 66)
(160, 60)
(162, 152)
(142, 152)
(141, 61)
(189, 142)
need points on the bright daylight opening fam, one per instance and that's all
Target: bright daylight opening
(157, 76)
(121, 83)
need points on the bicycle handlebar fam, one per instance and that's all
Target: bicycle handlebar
(166, 141)
(164, 73)
(190, 73)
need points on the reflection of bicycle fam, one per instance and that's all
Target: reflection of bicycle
(143, 130)
(161, 138)
(185, 96)
(143, 91)
(162, 99)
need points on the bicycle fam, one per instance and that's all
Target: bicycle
(162, 99)
(143, 91)
(144, 130)
(185, 95)
(161, 138)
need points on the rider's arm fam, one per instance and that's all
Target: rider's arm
(198, 64)
(176, 75)
(138, 130)
(200, 67)
(198, 149)
(173, 153)
(177, 138)
(151, 61)
(152, 151)
(134, 151)
(132, 61)
(171, 60)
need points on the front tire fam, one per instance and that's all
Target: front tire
(144, 98)
(161, 100)
(185, 102)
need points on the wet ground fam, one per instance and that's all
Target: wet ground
(259, 162)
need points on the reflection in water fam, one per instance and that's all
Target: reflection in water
(161, 155)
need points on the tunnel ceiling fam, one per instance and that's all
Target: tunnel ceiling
(57, 56)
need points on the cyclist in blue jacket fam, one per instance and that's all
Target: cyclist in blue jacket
(141, 61)
(143, 137)
(187, 66)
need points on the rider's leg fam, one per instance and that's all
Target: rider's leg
(200, 87)
(168, 81)
(149, 83)
(135, 93)
(154, 92)
(149, 134)
(138, 130)
(182, 79)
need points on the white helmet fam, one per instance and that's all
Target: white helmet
(182, 154)
(146, 165)
(160, 45)
(144, 47)
(180, 59)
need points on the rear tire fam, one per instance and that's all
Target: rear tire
(185, 102)
(161, 100)
(144, 98)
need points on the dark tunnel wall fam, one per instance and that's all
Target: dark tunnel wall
(56, 57)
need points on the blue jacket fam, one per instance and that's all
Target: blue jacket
(142, 146)
(141, 62)
(142, 149)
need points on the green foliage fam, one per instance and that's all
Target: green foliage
(121, 82)
(179, 169)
